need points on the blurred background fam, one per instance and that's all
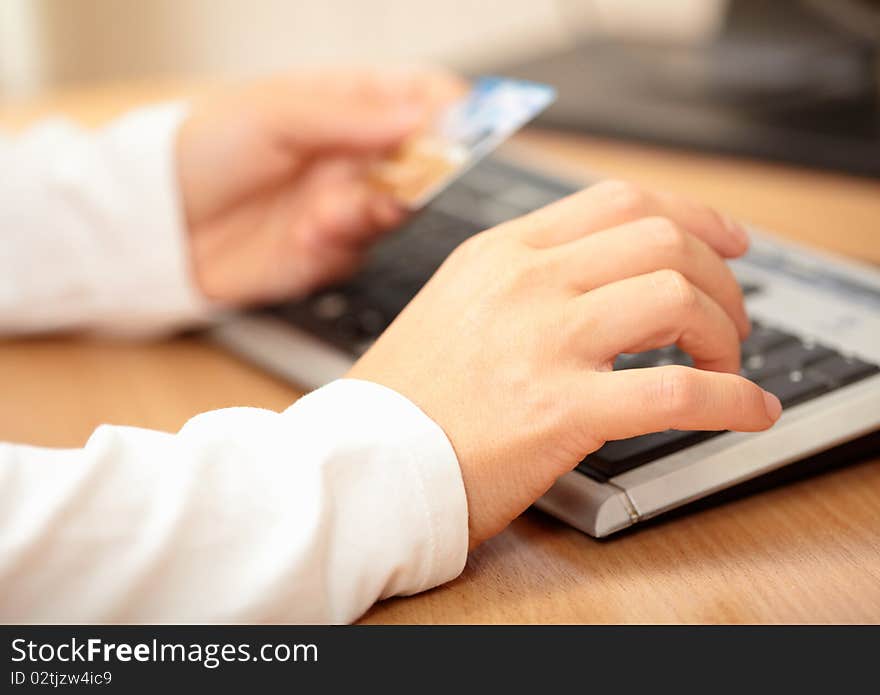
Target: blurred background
(55, 42)
(791, 80)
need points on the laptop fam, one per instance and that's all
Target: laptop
(787, 80)
(815, 344)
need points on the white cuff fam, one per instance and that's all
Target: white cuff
(417, 520)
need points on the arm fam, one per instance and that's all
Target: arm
(508, 349)
(310, 515)
(91, 228)
(354, 493)
(350, 495)
(253, 195)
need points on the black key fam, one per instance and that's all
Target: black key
(653, 358)
(750, 288)
(347, 326)
(839, 370)
(329, 306)
(763, 339)
(794, 387)
(632, 360)
(785, 358)
(390, 299)
(673, 355)
(622, 455)
(371, 322)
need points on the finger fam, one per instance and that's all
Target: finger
(644, 246)
(343, 216)
(613, 203)
(364, 111)
(631, 402)
(385, 211)
(355, 217)
(438, 88)
(346, 124)
(658, 309)
(375, 211)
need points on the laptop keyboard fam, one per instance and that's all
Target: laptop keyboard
(352, 315)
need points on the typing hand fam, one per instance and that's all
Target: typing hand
(509, 347)
(273, 177)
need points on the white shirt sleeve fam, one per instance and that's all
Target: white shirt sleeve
(310, 515)
(91, 234)
(350, 495)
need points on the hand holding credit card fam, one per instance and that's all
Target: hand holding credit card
(464, 133)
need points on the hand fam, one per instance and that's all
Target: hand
(273, 177)
(509, 347)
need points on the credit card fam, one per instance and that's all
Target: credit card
(464, 133)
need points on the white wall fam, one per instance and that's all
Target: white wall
(21, 54)
(91, 40)
(52, 42)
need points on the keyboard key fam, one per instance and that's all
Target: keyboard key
(785, 358)
(750, 288)
(763, 339)
(493, 212)
(347, 326)
(372, 322)
(631, 360)
(839, 370)
(794, 387)
(459, 203)
(528, 198)
(673, 355)
(390, 299)
(653, 358)
(329, 306)
(622, 455)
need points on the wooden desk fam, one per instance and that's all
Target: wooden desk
(808, 552)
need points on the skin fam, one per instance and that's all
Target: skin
(274, 176)
(509, 347)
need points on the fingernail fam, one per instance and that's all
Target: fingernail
(737, 231)
(773, 406)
